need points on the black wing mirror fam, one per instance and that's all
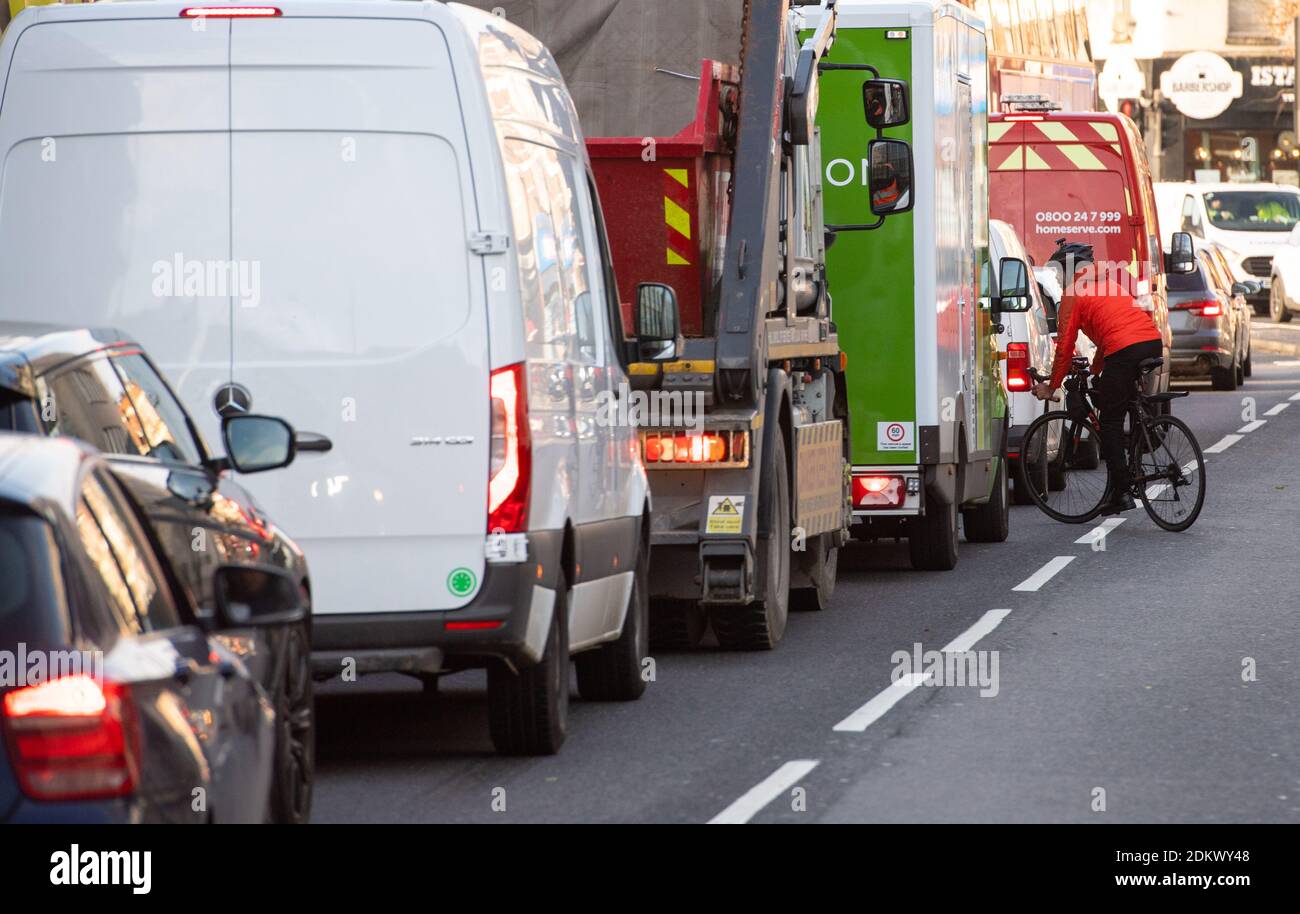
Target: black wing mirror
(890, 177)
(249, 596)
(1013, 286)
(255, 444)
(885, 102)
(1182, 256)
(658, 326)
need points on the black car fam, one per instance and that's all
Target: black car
(100, 388)
(119, 704)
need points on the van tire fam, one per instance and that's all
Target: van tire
(990, 522)
(812, 578)
(528, 711)
(612, 672)
(932, 537)
(760, 625)
(1246, 367)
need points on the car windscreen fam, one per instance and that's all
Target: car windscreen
(1253, 210)
(1194, 281)
(33, 609)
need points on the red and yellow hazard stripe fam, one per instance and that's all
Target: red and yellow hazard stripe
(677, 216)
(1055, 145)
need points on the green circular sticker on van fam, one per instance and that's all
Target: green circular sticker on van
(461, 582)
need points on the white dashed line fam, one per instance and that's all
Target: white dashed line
(879, 706)
(1222, 444)
(1157, 490)
(764, 792)
(1278, 410)
(1044, 574)
(1295, 396)
(1097, 534)
(1251, 426)
(969, 638)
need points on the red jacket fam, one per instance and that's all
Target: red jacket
(1112, 321)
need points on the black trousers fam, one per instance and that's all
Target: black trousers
(1112, 395)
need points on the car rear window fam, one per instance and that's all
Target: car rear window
(1194, 281)
(33, 609)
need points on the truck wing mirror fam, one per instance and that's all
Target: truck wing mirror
(1013, 285)
(1182, 256)
(890, 177)
(885, 102)
(657, 322)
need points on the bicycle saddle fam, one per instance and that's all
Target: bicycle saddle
(1146, 366)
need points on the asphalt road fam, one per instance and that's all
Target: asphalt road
(1120, 688)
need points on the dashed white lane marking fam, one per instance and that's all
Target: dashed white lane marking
(969, 638)
(1251, 426)
(1044, 574)
(1278, 410)
(764, 792)
(879, 706)
(1097, 534)
(1157, 490)
(1222, 444)
(1295, 396)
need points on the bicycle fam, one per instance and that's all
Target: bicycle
(1069, 481)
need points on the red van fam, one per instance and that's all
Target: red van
(1082, 176)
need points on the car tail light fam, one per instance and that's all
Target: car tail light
(669, 449)
(72, 739)
(1204, 308)
(229, 12)
(487, 625)
(1018, 366)
(879, 491)
(511, 468)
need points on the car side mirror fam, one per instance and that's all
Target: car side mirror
(657, 322)
(1013, 286)
(249, 596)
(885, 102)
(889, 169)
(255, 444)
(1182, 256)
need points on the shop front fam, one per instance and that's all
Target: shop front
(1227, 119)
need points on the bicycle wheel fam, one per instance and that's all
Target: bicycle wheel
(1171, 463)
(1051, 451)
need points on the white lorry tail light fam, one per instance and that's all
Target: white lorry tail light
(879, 491)
(1018, 367)
(670, 449)
(511, 467)
(72, 738)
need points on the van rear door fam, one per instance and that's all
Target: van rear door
(353, 205)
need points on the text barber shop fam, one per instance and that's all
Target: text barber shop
(1228, 119)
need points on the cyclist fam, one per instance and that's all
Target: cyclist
(1125, 335)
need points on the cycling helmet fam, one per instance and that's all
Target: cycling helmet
(1071, 255)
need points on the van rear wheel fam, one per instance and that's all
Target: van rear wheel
(932, 537)
(528, 711)
(990, 522)
(759, 626)
(612, 672)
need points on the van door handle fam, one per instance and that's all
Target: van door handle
(312, 443)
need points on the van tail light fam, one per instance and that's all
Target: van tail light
(229, 12)
(72, 738)
(1018, 367)
(1023, 117)
(879, 491)
(1205, 308)
(511, 470)
(722, 448)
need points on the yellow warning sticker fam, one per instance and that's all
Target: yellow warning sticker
(726, 513)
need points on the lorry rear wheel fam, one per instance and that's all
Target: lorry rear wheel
(612, 672)
(758, 626)
(990, 522)
(813, 581)
(528, 711)
(932, 538)
(676, 625)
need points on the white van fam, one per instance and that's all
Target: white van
(1252, 221)
(377, 217)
